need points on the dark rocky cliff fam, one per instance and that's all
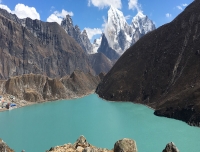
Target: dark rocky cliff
(162, 70)
(38, 47)
(36, 87)
(74, 31)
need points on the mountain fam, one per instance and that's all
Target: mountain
(37, 88)
(74, 31)
(120, 35)
(143, 23)
(161, 70)
(107, 50)
(33, 46)
(100, 63)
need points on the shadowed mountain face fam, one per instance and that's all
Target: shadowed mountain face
(162, 70)
(100, 63)
(33, 46)
(107, 50)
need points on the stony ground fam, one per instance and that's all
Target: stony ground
(4, 147)
(123, 145)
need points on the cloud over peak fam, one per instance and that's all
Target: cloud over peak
(180, 7)
(105, 3)
(92, 32)
(23, 11)
(133, 4)
(58, 16)
(5, 8)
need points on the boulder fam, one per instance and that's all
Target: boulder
(171, 147)
(125, 145)
(81, 141)
(4, 147)
(89, 149)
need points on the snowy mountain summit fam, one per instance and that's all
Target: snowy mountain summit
(120, 35)
(143, 23)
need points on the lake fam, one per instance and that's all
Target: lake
(39, 127)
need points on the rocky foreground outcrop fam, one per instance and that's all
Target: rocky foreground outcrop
(161, 70)
(36, 87)
(170, 147)
(123, 145)
(4, 147)
(81, 145)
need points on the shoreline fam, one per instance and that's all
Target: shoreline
(44, 101)
(92, 92)
(127, 101)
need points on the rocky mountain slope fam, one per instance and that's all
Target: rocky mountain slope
(36, 87)
(75, 32)
(119, 35)
(107, 50)
(100, 63)
(33, 46)
(162, 70)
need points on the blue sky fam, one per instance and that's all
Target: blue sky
(90, 14)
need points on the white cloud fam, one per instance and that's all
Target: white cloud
(168, 15)
(133, 4)
(5, 8)
(58, 16)
(23, 11)
(105, 3)
(127, 17)
(93, 32)
(184, 5)
(54, 18)
(179, 7)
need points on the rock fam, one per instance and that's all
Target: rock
(89, 149)
(81, 141)
(125, 145)
(4, 147)
(79, 149)
(170, 147)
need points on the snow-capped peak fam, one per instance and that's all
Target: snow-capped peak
(116, 25)
(143, 23)
(140, 15)
(116, 18)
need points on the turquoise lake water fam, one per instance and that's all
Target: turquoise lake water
(39, 127)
